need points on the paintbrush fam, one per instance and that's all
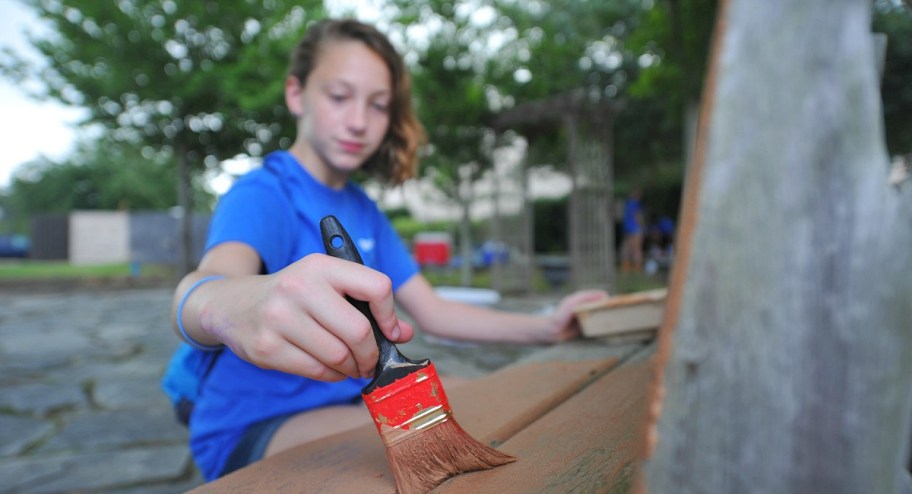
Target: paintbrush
(424, 443)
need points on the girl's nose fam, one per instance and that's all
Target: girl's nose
(357, 117)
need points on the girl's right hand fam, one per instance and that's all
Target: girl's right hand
(298, 320)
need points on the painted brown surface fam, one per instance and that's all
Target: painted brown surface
(592, 443)
(491, 409)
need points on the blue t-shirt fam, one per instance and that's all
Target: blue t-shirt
(632, 212)
(277, 210)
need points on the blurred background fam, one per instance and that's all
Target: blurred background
(125, 120)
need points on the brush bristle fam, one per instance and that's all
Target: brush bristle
(425, 460)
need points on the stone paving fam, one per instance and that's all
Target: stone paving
(81, 408)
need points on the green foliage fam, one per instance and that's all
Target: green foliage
(673, 42)
(677, 33)
(448, 83)
(98, 175)
(396, 213)
(203, 80)
(202, 77)
(472, 60)
(566, 45)
(896, 22)
(647, 133)
(662, 191)
(482, 58)
(407, 227)
(550, 235)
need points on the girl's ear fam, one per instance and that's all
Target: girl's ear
(293, 92)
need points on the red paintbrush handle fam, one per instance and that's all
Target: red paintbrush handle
(407, 406)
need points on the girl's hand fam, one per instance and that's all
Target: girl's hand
(564, 325)
(298, 320)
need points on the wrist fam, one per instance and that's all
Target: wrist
(179, 316)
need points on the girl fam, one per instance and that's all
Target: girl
(297, 353)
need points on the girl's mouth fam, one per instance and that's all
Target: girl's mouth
(351, 147)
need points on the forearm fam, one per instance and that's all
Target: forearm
(465, 322)
(448, 319)
(195, 303)
(217, 301)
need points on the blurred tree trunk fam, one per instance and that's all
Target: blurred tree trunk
(787, 335)
(185, 205)
(465, 235)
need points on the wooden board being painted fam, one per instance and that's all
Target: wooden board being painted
(629, 317)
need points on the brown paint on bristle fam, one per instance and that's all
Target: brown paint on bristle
(425, 460)
(424, 443)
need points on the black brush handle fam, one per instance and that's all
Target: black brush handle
(391, 364)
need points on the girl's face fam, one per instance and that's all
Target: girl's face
(343, 108)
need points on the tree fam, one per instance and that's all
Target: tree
(471, 60)
(98, 175)
(563, 46)
(673, 39)
(199, 80)
(896, 92)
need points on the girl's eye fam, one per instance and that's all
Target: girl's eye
(336, 96)
(380, 106)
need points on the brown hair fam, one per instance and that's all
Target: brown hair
(396, 160)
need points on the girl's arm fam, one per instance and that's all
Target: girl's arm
(456, 320)
(296, 320)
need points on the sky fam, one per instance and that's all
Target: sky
(29, 128)
(32, 128)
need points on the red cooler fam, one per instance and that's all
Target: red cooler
(432, 248)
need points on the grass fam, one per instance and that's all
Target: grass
(19, 269)
(638, 282)
(625, 282)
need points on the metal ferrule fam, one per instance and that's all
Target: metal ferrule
(421, 421)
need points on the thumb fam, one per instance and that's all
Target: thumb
(404, 333)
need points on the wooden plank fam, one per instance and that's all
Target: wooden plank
(592, 443)
(792, 360)
(491, 409)
(633, 316)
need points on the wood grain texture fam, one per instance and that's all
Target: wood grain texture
(791, 367)
(491, 409)
(592, 443)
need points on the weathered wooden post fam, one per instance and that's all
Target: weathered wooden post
(787, 343)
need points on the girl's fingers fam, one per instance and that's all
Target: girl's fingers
(283, 327)
(351, 333)
(368, 285)
(294, 360)
(271, 350)
(307, 307)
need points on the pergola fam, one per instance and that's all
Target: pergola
(588, 123)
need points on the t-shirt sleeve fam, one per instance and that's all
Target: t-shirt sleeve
(396, 261)
(254, 213)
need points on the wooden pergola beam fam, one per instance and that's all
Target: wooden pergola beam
(552, 111)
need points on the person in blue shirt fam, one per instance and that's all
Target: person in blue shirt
(633, 228)
(294, 353)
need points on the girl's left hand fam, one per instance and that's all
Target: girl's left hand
(564, 325)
